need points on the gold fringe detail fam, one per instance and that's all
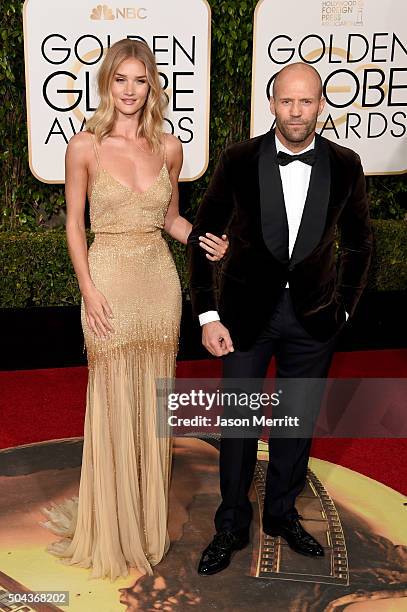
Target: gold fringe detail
(120, 517)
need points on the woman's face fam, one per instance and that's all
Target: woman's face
(129, 86)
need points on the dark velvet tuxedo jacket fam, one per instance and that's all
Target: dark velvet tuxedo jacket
(245, 200)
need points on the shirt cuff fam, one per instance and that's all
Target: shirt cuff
(347, 316)
(208, 317)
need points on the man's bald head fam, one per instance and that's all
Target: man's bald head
(299, 70)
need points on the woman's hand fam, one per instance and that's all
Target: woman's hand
(98, 313)
(215, 247)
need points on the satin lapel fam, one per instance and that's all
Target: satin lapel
(316, 204)
(273, 214)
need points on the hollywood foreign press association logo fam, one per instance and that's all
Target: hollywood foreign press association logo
(342, 13)
(104, 12)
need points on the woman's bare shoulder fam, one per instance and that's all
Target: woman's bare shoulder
(173, 148)
(80, 145)
(81, 141)
(172, 143)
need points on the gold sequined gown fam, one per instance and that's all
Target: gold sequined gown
(120, 517)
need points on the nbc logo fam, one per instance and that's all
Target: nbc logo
(102, 11)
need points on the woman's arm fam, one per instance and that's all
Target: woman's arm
(176, 226)
(76, 182)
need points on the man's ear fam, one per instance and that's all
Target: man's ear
(272, 107)
(321, 107)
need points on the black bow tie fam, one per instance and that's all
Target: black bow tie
(308, 157)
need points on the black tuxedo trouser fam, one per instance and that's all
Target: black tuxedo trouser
(298, 356)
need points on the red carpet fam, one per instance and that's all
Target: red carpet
(38, 405)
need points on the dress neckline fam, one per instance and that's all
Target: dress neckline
(129, 189)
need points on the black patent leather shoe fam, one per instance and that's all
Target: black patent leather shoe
(295, 535)
(216, 557)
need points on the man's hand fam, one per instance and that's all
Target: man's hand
(216, 339)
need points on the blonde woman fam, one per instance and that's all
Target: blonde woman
(131, 308)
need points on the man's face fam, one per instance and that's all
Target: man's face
(296, 105)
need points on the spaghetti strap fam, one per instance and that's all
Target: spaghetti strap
(165, 153)
(96, 150)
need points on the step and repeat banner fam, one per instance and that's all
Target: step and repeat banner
(64, 45)
(359, 47)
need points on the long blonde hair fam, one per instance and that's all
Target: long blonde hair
(152, 113)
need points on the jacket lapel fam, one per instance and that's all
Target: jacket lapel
(316, 204)
(273, 214)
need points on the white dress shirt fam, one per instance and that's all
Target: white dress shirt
(295, 178)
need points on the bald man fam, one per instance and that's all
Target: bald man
(281, 198)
